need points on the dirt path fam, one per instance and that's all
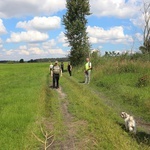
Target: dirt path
(69, 140)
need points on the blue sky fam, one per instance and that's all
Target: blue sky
(31, 29)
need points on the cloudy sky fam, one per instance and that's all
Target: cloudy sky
(31, 29)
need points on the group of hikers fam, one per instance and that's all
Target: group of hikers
(56, 71)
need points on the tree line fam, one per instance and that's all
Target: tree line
(64, 59)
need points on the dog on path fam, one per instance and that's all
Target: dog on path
(130, 123)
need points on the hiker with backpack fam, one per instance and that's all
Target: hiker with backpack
(87, 71)
(57, 72)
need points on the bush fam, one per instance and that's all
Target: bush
(143, 81)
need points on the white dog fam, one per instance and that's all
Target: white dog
(129, 122)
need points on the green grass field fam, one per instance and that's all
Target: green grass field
(21, 104)
(28, 103)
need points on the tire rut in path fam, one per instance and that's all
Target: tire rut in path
(69, 140)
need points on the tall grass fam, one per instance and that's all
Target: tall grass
(124, 81)
(124, 85)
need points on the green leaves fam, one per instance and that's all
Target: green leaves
(75, 26)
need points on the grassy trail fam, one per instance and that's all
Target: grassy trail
(89, 123)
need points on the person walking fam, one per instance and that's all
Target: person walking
(69, 69)
(50, 68)
(57, 72)
(87, 71)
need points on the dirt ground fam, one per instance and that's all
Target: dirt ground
(70, 141)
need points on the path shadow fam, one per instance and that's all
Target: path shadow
(121, 125)
(81, 81)
(141, 137)
(65, 71)
(50, 86)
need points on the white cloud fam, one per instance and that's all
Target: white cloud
(139, 21)
(10, 52)
(116, 8)
(1, 43)
(139, 36)
(49, 44)
(62, 39)
(36, 51)
(16, 8)
(2, 27)
(23, 50)
(41, 23)
(114, 35)
(33, 51)
(57, 51)
(29, 36)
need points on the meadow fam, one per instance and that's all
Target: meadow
(28, 106)
(21, 103)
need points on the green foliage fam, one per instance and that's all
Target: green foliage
(141, 57)
(75, 24)
(143, 81)
(145, 48)
(21, 61)
(127, 67)
(95, 58)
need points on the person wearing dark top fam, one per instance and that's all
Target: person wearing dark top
(70, 69)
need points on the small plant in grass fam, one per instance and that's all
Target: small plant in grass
(143, 81)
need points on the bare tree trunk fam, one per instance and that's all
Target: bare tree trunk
(146, 33)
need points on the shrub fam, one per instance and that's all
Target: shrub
(143, 81)
(126, 68)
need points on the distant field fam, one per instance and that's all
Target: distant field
(20, 103)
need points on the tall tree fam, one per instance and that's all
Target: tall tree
(145, 48)
(75, 25)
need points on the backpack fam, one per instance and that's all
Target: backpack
(56, 70)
